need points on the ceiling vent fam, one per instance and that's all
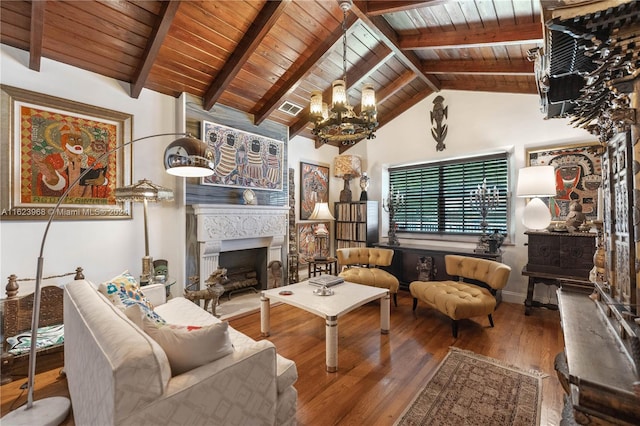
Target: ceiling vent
(289, 108)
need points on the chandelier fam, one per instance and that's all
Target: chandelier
(340, 123)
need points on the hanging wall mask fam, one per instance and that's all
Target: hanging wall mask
(439, 130)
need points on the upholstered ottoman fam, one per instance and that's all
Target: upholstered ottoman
(457, 299)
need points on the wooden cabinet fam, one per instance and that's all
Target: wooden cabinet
(356, 224)
(407, 257)
(558, 258)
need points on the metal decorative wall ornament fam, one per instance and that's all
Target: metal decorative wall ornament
(439, 114)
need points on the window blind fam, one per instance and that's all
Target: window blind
(438, 195)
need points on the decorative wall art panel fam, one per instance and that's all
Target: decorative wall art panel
(243, 159)
(578, 177)
(47, 143)
(308, 243)
(314, 187)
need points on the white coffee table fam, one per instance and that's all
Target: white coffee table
(347, 297)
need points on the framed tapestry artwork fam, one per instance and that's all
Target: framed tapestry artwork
(578, 177)
(314, 187)
(243, 159)
(47, 143)
(308, 243)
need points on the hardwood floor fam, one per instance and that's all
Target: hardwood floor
(378, 375)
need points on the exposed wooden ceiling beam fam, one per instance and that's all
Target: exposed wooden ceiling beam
(319, 55)
(156, 38)
(267, 17)
(387, 118)
(380, 7)
(37, 34)
(388, 36)
(520, 66)
(515, 34)
(397, 85)
(374, 60)
(491, 86)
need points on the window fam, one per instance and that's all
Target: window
(438, 195)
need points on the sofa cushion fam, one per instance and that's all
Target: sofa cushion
(122, 287)
(181, 311)
(47, 337)
(188, 347)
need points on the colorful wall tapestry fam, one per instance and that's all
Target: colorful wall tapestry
(243, 159)
(578, 170)
(52, 143)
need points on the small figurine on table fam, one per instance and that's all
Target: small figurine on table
(575, 218)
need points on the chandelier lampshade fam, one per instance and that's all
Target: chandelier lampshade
(340, 123)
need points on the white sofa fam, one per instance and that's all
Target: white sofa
(118, 375)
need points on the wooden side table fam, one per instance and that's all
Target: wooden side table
(326, 266)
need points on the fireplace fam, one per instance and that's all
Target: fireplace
(214, 229)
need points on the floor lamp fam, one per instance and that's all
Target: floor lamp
(145, 191)
(187, 157)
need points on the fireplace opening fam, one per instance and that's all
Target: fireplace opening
(246, 270)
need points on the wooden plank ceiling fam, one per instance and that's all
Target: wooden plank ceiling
(253, 55)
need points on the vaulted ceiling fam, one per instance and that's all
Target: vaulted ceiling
(255, 55)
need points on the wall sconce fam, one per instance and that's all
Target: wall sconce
(321, 212)
(534, 182)
(347, 167)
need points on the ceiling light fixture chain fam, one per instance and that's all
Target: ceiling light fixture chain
(340, 124)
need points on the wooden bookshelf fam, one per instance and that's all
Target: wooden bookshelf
(356, 224)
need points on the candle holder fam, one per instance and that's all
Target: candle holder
(392, 205)
(483, 200)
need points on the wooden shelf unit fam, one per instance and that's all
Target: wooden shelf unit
(356, 224)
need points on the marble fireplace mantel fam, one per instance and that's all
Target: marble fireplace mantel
(221, 228)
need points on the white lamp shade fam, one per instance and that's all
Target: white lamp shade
(339, 93)
(536, 215)
(536, 181)
(321, 212)
(315, 107)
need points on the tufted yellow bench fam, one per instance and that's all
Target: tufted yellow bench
(361, 266)
(460, 300)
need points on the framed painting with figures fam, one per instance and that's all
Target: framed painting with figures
(314, 187)
(578, 176)
(243, 159)
(47, 143)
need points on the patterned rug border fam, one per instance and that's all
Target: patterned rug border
(539, 375)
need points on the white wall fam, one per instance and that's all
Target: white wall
(477, 123)
(103, 248)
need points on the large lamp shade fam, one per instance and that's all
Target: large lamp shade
(535, 182)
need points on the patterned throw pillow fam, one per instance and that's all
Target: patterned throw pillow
(136, 311)
(122, 287)
(188, 347)
(47, 337)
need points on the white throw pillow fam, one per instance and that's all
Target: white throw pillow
(188, 347)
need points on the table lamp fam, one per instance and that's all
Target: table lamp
(536, 181)
(321, 212)
(347, 167)
(144, 191)
(186, 157)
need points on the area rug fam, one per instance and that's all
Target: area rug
(472, 389)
